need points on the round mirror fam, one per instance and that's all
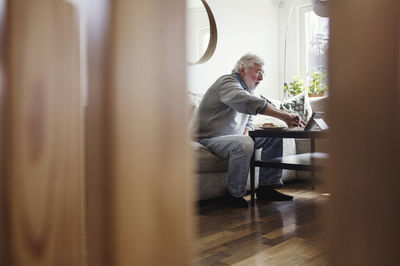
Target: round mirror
(201, 32)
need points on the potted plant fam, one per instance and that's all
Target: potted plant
(295, 87)
(315, 86)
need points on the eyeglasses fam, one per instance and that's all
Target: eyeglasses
(260, 73)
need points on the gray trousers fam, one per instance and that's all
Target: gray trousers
(239, 149)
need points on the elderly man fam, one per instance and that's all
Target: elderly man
(225, 117)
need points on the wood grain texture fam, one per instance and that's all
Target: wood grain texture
(151, 166)
(280, 233)
(3, 246)
(97, 39)
(364, 145)
(42, 182)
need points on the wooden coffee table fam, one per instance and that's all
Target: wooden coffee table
(307, 161)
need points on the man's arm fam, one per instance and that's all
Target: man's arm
(249, 125)
(292, 120)
(232, 94)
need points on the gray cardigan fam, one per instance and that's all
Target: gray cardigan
(226, 109)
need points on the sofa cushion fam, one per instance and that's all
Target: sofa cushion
(299, 104)
(211, 185)
(194, 100)
(208, 162)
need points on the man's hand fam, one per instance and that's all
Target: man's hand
(294, 121)
(291, 120)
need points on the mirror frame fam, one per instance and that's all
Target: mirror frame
(212, 43)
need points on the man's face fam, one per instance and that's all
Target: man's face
(253, 76)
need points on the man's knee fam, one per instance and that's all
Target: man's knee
(277, 141)
(245, 145)
(273, 142)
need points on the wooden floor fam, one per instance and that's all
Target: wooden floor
(278, 233)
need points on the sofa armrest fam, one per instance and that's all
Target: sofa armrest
(304, 145)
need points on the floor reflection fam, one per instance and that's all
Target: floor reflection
(279, 233)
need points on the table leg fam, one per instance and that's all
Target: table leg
(252, 176)
(312, 140)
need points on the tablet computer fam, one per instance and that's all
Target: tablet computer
(316, 120)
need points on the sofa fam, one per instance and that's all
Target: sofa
(211, 170)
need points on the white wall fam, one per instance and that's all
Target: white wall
(242, 27)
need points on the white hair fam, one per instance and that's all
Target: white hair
(247, 61)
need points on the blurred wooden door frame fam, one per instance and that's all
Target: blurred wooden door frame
(138, 213)
(151, 204)
(362, 219)
(42, 214)
(2, 194)
(127, 211)
(97, 21)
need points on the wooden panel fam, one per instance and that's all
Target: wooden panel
(42, 176)
(363, 169)
(97, 38)
(2, 194)
(150, 161)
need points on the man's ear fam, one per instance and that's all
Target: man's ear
(242, 72)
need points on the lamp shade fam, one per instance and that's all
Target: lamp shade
(321, 7)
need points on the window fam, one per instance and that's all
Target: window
(314, 32)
